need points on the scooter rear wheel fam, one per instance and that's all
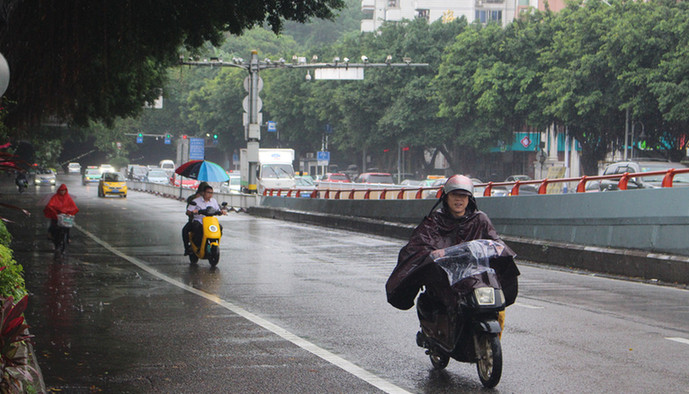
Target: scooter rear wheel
(193, 258)
(489, 363)
(439, 361)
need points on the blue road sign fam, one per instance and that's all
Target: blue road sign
(197, 148)
(323, 158)
(272, 126)
(139, 139)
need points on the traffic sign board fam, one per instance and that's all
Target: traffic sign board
(323, 158)
(272, 126)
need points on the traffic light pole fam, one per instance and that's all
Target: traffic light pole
(253, 119)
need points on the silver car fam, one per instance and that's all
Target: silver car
(158, 176)
(45, 178)
(644, 182)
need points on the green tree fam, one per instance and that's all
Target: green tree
(102, 60)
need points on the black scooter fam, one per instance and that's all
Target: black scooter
(468, 329)
(21, 183)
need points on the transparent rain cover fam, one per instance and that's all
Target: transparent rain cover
(467, 259)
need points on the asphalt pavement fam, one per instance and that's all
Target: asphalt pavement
(103, 324)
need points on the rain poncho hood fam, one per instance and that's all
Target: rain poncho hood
(60, 204)
(440, 230)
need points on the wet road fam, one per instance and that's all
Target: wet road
(297, 308)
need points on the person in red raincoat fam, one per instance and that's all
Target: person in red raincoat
(60, 202)
(458, 221)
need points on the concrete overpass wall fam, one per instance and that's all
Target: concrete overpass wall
(634, 233)
(651, 220)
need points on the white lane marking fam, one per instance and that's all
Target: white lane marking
(527, 306)
(680, 340)
(332, 358)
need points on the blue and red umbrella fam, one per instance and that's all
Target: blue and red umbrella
(203, 170)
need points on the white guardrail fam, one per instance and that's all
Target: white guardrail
(234, 200)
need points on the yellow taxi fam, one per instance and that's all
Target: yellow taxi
(112, 183)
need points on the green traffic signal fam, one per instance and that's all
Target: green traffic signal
(141, 135)
(215, 136)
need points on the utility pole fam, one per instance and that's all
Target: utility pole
(253, 84)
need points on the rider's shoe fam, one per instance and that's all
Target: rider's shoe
(187, 251)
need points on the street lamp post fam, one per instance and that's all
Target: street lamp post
(253, 116)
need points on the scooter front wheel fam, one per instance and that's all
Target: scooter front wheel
(214, 255)
(439, 361)
(489, 363)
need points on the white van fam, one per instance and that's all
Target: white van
(167, 165)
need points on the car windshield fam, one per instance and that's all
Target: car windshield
(283, 171)
(92, 171)
(235, 180)
(157, 174)
(112, 177)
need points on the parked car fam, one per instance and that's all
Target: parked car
(45, 177)
(434, 182)
(523, 189)
(157, 175)
(478, 190)
(335, 177)
(112, 183)
(411, 182)
(91, 174)
(374, 177)
(645, 182)
(233, 185)
(305, 185)
(106, 168)
(187, 183)
(74, 168)
(137, 173)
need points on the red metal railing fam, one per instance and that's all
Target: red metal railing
(401, 193)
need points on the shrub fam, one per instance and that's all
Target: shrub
(14, 369)
(5, 236)
(11, 279)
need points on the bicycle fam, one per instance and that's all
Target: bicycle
(61, 236)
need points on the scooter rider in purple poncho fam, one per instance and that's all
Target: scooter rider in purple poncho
(459, 220)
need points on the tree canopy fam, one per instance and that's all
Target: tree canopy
(80, 60)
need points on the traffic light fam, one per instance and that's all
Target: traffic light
(140, 138)
(215, 139)
(184, 136)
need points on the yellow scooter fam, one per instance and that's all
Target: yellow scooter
(209, 247)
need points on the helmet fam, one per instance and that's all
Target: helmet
(461, 183)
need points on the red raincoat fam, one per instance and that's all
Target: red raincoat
(60, 204)
(439, 230)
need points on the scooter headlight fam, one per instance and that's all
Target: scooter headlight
(485, 295)
(488, 296)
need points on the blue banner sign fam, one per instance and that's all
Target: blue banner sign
(197, 148)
